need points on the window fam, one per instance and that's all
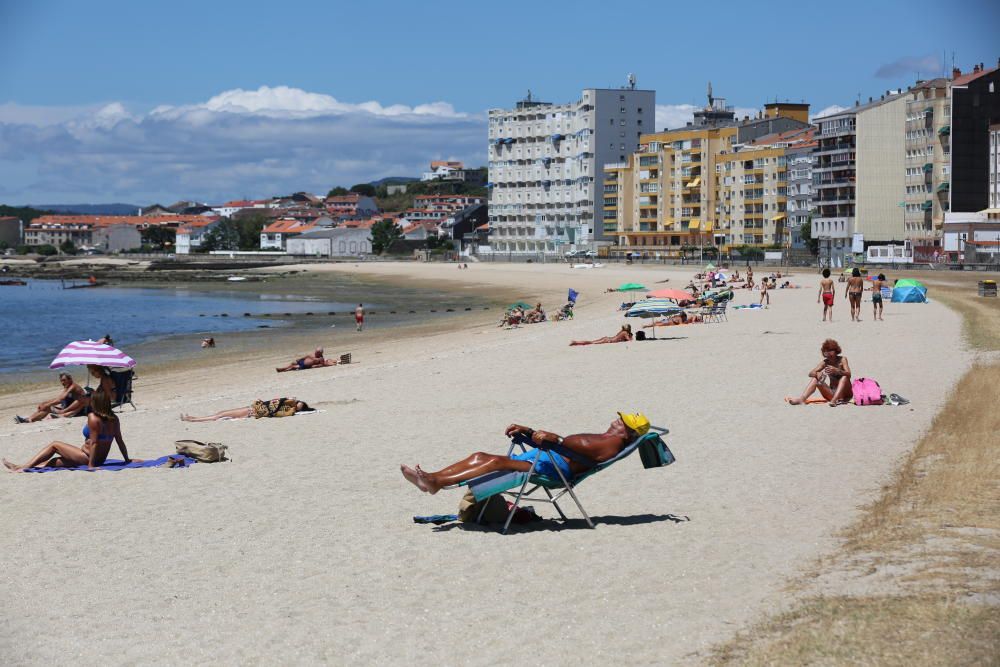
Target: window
(622, 122)
(639, 110)
(623, 110)
(621, 98)
(639, 122)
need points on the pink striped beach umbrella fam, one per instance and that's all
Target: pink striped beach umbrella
(84, 352)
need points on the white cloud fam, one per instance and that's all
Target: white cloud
(926, 66)
(671, 116)
(239, 143)
(826, 111)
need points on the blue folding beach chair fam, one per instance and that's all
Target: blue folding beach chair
(652, 450)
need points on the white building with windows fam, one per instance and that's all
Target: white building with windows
(546, 165)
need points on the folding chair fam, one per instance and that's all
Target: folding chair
(123, 387)
(653, 450)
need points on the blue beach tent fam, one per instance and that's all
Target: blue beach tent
(909, 294)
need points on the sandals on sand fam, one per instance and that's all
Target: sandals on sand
(895, 399)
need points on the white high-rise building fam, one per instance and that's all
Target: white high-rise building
(546, 167)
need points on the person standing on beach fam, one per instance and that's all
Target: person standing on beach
(855, 288)
(877, 297)
(359, 316)
(826, 293)
(764, 294)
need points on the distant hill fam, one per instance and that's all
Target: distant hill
(90, 209)
(394, 180)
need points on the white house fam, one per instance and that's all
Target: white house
(275, 236)
(191, 234)
(336, 242)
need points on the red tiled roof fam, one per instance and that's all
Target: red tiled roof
(969, 77)
(134, 220)
(239, 203)
(287, 227)
(344, 199)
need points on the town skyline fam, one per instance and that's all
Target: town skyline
(217, 120)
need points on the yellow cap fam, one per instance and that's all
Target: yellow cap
(636, 422)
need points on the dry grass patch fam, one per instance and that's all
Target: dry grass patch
(912, 631)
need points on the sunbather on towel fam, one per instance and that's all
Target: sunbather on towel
(101, 430)
(276, 407)
(622, 336)
(597, 447)
(314, 360)
(675, 320)
(832, 377)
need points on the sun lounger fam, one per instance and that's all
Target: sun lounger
(653, 450)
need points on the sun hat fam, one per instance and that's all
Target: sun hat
(636, 422)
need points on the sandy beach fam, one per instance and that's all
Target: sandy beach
(302, 548)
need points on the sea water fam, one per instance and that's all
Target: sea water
(39, 319)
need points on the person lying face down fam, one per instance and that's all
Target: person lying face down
(623, 335)
(598, 447)
(259, 409)
(305, 362)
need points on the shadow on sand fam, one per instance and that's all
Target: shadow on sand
(555, 525)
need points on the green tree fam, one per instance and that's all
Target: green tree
(338, 191)
(46, 250)
(249, 227)
(223, 236)
(384, 234)
(67, 247)
(3, 245)
(806, 233)
(366, 189)
(159, 236)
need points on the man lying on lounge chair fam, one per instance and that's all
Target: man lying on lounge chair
(597, 447)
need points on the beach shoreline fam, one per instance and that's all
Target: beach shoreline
(312, 518)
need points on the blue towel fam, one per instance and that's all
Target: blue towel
(121, 465)
(436, 518)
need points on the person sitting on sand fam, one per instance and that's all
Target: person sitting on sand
(624, 335)
(597, 447)
(276, 407)
(832, 377)
(535, 315)
(314, 360)
(208, 342)
(70, 401)
(512, 318)
(101, 430)
(565, 313)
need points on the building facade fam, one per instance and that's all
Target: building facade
(994, 167)
(276, 235)
(546, 167)
(881, 169)
(11, 231)
(975, 106)
(337, 242)
(801, 158)
(927, 161)
(685, 187)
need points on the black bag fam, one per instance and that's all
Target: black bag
(655, 453)
(640, 335)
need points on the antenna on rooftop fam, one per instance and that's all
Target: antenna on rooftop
(631, 81)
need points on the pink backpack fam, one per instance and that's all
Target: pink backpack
(866, 392)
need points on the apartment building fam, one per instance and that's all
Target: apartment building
(801, 158)
(994, 167)
(859, 176)
(546, 166)
(975, 106)
(927, 160)
(667, 194)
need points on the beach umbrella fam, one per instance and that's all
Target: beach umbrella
(710, 267)
(630, 287)
(675, 294)
(653, 308)
(910, 282)
(84, 352)
(520, 304)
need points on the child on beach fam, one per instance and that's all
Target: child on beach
(877, 286)
(831, 377)
(826, 294)
(359, 316)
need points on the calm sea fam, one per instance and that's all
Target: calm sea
(39, 319)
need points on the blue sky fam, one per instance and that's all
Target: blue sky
(147, 101)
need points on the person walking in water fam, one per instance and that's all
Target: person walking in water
(855, 288)
(826, 293)
(359, 316)
(877, 286)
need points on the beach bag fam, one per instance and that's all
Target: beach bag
(654, 453)
(205, 452)
(866, 392)
(496, 509)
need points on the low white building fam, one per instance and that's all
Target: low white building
(972, 237)
(336, 242)
(190, 236)
(116, 238)
(276, 235)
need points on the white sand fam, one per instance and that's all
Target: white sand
(303, 550)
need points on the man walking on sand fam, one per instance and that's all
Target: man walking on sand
(826, 293)
(359, 316)
(764, 294)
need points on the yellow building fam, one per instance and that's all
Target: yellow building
(667, 195)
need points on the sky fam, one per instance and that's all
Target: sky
(142, 102)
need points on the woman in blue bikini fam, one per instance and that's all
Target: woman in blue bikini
(101, 430)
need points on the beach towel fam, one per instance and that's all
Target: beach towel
(436, 519)
(752, 306)
(185, 461)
